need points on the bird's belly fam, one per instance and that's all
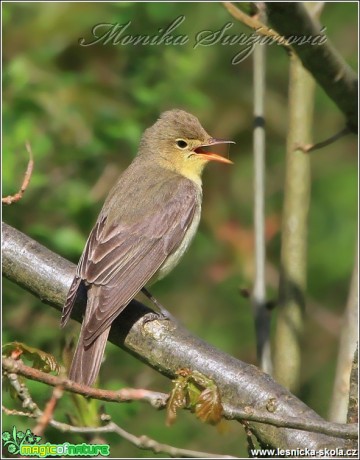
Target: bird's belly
(174, 258)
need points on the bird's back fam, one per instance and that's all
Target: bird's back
(143, 188)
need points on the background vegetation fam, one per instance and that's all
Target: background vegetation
(84, 108)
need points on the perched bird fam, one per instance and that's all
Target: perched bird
(145, 226)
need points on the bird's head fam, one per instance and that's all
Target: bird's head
(177, 141)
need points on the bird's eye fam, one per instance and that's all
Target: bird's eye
(181, 143)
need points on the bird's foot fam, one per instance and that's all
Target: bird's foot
(162, 313)
(155, 316)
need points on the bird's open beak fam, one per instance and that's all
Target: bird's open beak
(206, 151)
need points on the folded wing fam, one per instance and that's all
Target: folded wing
(121, 257)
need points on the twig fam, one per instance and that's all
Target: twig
(250, 443)
(156, 399)
(307, 148)
(261, 312)
(338, 430)
(23, 394)
(48, 412)
(142, 442)
(46, 418)
(249, 414)
(254, 24)
(18, 413)
(320, 58)
(13, 198)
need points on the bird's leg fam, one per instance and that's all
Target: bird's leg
(163, 312)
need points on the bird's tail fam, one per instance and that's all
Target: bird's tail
(87, 359)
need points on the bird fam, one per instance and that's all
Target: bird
(145, 226)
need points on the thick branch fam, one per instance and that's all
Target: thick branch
(323, 61)
(168, 347)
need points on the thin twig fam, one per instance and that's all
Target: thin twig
(23, 393)
(249, 414)
(142, 442)
(13, 198)
(317, 54)
(48, 412)
(18, 413)
(338, 430)
(324, 62)
(255, 24)
(156, 399)
(307, 148)
(45, 418)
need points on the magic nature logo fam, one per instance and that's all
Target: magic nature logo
(27, 444)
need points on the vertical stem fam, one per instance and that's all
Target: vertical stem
(261, 313)
(287, 345)
(348, 341)
(353, 406)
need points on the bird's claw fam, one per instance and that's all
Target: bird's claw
(154, 316)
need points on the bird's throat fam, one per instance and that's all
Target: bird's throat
(191, 168)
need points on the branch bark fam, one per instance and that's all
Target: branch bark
(167, 347)
(323, 61)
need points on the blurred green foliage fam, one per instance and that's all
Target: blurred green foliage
(83, 109)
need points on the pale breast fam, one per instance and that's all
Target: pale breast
(174, 258)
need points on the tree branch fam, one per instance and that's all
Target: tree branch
(142, 442)
(156, 399)
(323, 61)
(13, 198)
(168, 347)
(254, 23)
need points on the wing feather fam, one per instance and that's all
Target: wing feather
(121, 257)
